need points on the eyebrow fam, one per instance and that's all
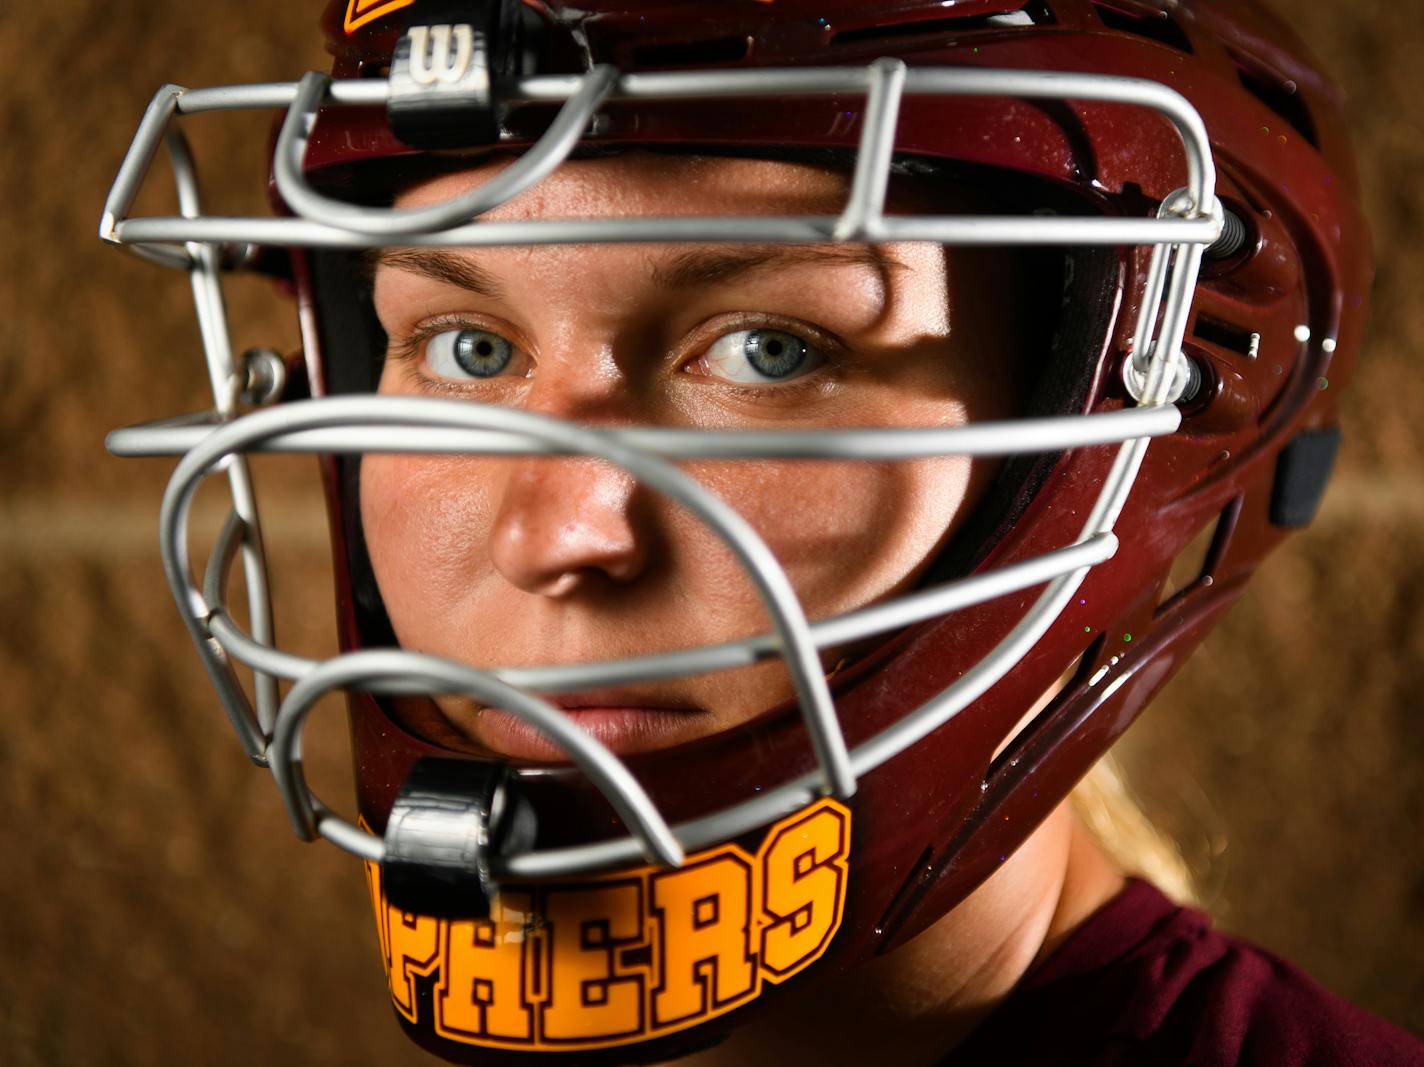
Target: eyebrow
(460, 271)
(685, 270)
(709, 266)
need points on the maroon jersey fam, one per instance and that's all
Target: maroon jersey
(1144, 981)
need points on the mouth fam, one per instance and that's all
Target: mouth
(624, 721)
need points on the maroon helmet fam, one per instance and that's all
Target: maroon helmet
(1179, 184)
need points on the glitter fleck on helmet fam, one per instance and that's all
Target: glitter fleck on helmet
(1201, 317)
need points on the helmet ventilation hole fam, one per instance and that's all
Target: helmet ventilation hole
(1012, 15)
(1194, 564)
(1143, 21)
(692, 53)
(1281, 95)
(1226, 335)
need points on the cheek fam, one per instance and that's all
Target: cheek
(847, 533)
(426, 524)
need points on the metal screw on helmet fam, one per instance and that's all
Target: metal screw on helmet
(1186, 379)
(265, 376)
(1232, 239)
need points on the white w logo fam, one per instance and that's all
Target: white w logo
(430, 58)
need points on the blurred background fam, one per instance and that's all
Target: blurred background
(156, 907)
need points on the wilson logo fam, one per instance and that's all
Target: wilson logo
(631, 956)
(433, 61)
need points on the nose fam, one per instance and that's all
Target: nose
(565, 523)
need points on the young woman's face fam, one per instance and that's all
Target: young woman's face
(529, 560)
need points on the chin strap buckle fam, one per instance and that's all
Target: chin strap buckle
(449, 820)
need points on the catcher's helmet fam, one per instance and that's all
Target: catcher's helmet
(1178, 180)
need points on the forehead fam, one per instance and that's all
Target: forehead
(649, 183)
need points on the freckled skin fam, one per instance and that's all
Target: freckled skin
(529, 560)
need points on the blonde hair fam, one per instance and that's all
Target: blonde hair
(1112, 813)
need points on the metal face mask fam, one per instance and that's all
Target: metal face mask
(631, 908)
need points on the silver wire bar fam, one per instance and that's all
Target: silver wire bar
(603, 769)
(894, 739)
(360, 92)
(890, 742)
(866, 202)
(150, 133)
(363, 426)
(969, 231)
(1188, 220)
(759, 809)
(842, 629)
(770, 580)
(205, 281)
(882, 88)
(812, 81)
(220, 560)
(531, 167)
(790, 796)
(765, 807)
(1185, 261)
(441, 676)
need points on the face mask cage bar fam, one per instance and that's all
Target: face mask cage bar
(270, 727)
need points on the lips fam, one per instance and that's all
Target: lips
(625, 721)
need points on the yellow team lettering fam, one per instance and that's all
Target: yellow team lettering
(481, 994)
(803, 890)
(589, 996)
(703, 918)
(624, 958)
(414, 953)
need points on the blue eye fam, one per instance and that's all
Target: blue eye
(464, 354)
(754, 356)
